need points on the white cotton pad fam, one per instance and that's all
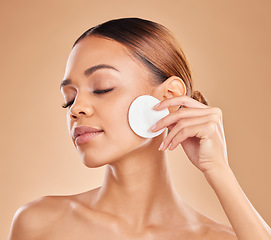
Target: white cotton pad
(141, 116)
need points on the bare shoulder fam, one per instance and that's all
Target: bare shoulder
(35, 219)
(32, 218)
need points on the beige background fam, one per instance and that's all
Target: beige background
(228, 46)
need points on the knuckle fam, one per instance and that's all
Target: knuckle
(218, 111)
(184, 131)
(179, 124)
(211, 126)
(174, 142)
(166, 140)
(215, 117)
(179, 113)
(161, 122)
(169, 138)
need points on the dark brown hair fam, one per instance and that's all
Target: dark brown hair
(152, 44)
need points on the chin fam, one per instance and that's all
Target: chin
(93, 164)
(109, 155)
(93, 161)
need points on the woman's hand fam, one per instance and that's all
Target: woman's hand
(198, 128)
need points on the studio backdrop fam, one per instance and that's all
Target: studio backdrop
(227, 44)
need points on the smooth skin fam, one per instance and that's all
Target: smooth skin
(137, 199)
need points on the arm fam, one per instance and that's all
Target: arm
(199, 129)
(245, 220)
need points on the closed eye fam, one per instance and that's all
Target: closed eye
(102, 91)
(65, 105)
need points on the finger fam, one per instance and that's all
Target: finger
(184, 101)
(201, 131)
(188, 122)
(182, 113)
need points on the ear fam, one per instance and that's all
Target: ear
(173, 87)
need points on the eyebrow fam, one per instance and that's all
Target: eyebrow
(88, 72)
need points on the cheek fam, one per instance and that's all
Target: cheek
(117, 124)
(118, 120)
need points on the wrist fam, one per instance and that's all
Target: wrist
(218, 173)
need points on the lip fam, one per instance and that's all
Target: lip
(83, 134)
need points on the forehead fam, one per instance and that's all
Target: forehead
(94, 50)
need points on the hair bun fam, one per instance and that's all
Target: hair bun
(199, 97)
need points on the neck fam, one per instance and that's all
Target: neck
(138, 185)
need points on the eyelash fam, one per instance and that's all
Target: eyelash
(65, 105)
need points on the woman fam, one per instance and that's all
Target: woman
(109, 66)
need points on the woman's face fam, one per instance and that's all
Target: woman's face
(107, 111)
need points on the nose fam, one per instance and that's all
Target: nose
(81, 108)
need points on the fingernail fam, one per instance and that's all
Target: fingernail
(155, 106)
(161, 146)
(153, 127)
(169, 146)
